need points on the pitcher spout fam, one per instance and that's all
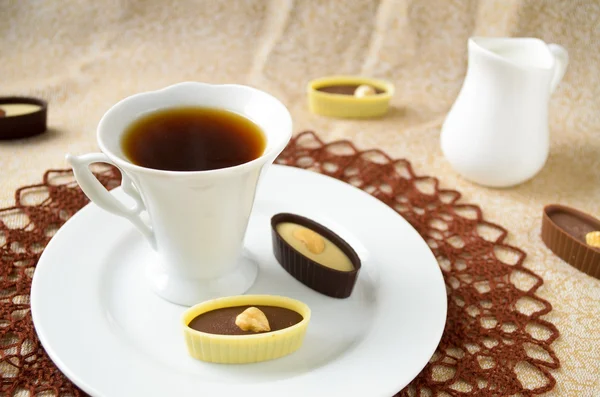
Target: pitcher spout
(524, 53)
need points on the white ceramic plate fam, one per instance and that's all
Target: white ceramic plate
(112, 336)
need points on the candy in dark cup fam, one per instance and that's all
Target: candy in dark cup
(314, 255)
(22, 117)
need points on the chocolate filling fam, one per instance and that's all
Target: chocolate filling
(222, 321)
(574, 225)
(344, 89)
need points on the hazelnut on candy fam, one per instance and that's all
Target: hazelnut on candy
(313, 241)
(253, 319)
(593, 239)
(364, 90)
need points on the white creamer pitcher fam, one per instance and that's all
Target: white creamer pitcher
(496, 133)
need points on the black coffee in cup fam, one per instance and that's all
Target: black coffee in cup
(192, 139)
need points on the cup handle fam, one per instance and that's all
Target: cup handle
(94, 190)
(561, 60)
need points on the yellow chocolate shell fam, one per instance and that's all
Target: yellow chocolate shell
(245, 349)
(348, 106)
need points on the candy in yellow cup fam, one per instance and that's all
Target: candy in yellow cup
(249, 348)
(350, 104)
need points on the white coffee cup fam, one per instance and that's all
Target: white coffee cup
(195, 221)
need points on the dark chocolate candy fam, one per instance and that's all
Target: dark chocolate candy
(328, 281)
(25, 125)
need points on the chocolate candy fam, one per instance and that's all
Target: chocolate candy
(346, 89)
(223, 321)
(570, 234)
(314, 255)
(245, 329)
(22, 117)
(354, 97)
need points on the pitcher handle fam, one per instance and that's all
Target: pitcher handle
(94, 190)
(561, 60)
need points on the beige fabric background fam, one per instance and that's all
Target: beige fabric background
(84, 55)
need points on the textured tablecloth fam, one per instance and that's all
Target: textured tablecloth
(83, 56)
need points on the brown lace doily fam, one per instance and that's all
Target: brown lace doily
(494, 333)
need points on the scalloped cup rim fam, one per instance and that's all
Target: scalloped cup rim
(274, 145)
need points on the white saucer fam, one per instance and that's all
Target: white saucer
(112, 336)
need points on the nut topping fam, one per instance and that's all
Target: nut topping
(313, 241)
(252, 319)
(593, 239)
(364, 90)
